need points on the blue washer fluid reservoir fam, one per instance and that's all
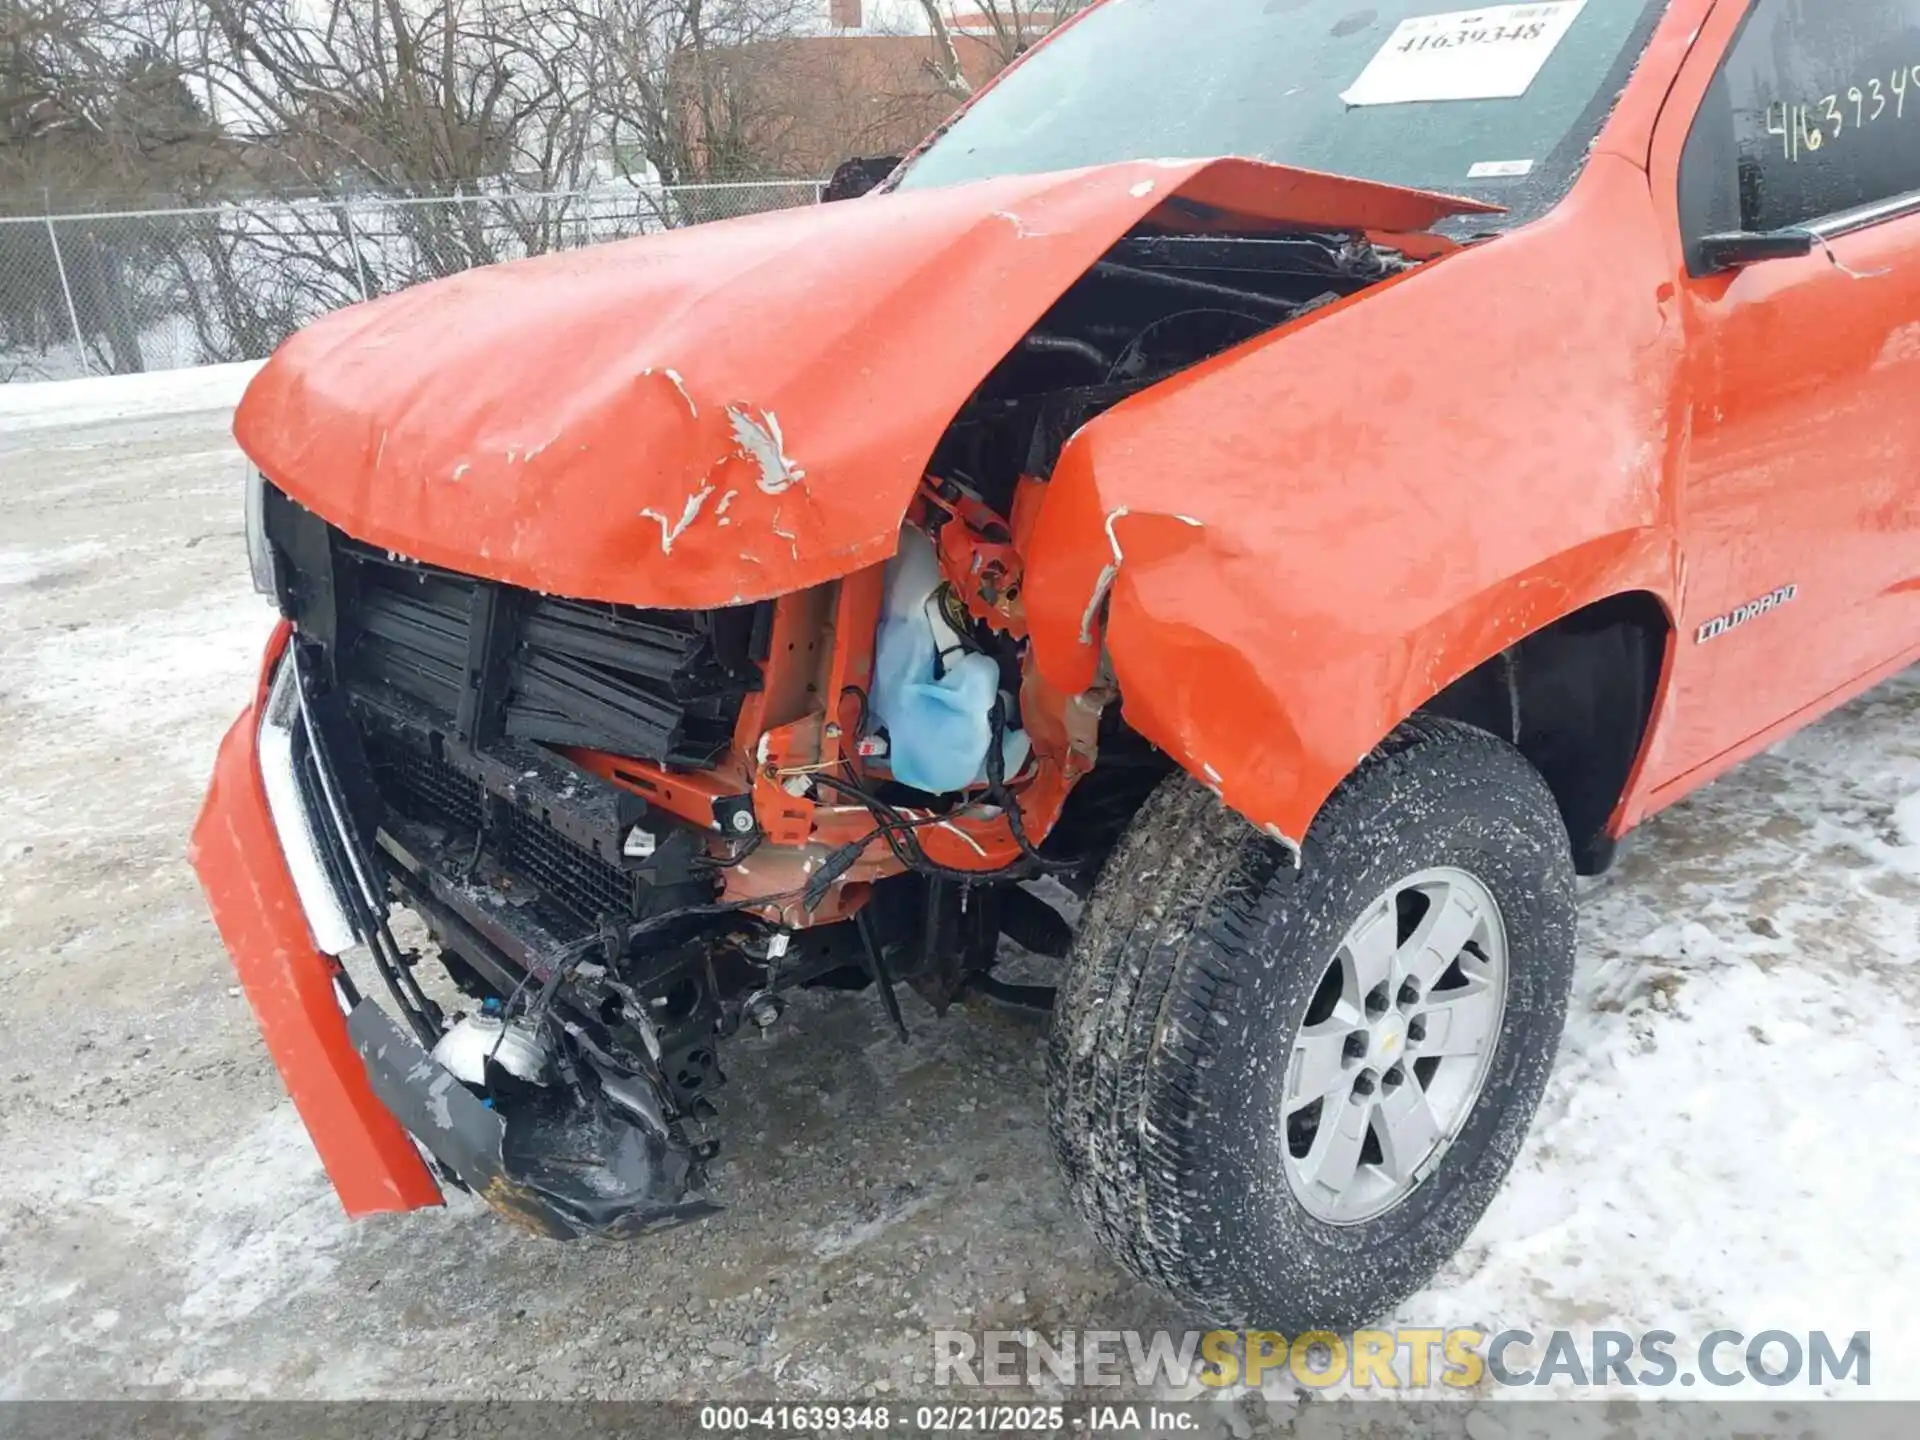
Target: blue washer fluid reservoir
(930, 695)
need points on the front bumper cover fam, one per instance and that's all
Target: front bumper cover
(237, 853)
(365, 1089)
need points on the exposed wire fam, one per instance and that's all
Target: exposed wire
(898, 832)
(896, 829)
(710, 863)
(570, 956)
(860, 723)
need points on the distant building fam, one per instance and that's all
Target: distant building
(963, 17)
(866, 82)
(840, 96)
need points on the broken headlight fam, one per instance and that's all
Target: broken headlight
(259, 552)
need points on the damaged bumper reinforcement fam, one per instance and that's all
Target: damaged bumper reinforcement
(555, 1169)
(292, 886)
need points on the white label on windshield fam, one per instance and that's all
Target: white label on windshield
(1498, 169)
(1490, 54)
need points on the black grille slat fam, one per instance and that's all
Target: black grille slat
(423, 676)
(660, 685)
(620, 680)
(410, 631)
(401, 620)
(459, 688)
(551, 693)
(570, 884)
(585, 633)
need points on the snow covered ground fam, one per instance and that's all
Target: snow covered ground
(50, 404)
(1727, 1142)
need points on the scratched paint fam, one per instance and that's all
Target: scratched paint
(1103, 584)
(760, 441)
(671, 531)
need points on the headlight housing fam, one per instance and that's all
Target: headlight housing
(283, 741)
(259, 552)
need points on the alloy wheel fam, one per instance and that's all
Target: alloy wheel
(1394, 1047)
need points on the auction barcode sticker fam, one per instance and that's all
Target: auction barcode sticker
(1490, 54)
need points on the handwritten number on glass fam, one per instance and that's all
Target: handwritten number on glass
(1804, 129)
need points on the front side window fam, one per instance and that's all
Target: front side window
(1815, 111)
(1499, 103)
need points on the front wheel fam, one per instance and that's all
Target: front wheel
(1287, 1095)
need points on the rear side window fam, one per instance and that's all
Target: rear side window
(1816, 111)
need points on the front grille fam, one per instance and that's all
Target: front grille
(409, 630)
(573, 887)
(628, 681)
(423, 788)
(663, 685)
(457, 686)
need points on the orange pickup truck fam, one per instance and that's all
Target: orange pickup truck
(1261, 581)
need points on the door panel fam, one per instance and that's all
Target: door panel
(1803, 472)
(1800, 478)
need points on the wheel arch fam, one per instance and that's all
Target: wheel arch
(1577, 698)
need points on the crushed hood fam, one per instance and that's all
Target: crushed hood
(718, 414)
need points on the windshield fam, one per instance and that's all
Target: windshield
(1322, 84)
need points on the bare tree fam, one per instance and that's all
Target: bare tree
(1008, 28)
(410, 97)
(94, 99)
(691, 92)
(367, 105)
(945, 61)
(1013, 26)
(93, 102)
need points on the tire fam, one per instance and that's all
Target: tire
(1196, 963)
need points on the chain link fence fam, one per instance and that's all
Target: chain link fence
(127, 291)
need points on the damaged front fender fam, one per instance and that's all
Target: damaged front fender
(1285, 551)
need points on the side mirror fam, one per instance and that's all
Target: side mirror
(854, 178)
(1738, 248)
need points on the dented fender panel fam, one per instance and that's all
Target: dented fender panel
(1289, 548)
(721, 414)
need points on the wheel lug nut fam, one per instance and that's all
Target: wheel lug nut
(1356, 1048)
(1409, 994)
(1377, 1002)
(1363, 1085)
(1393, 1079)
(1417, 1029)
